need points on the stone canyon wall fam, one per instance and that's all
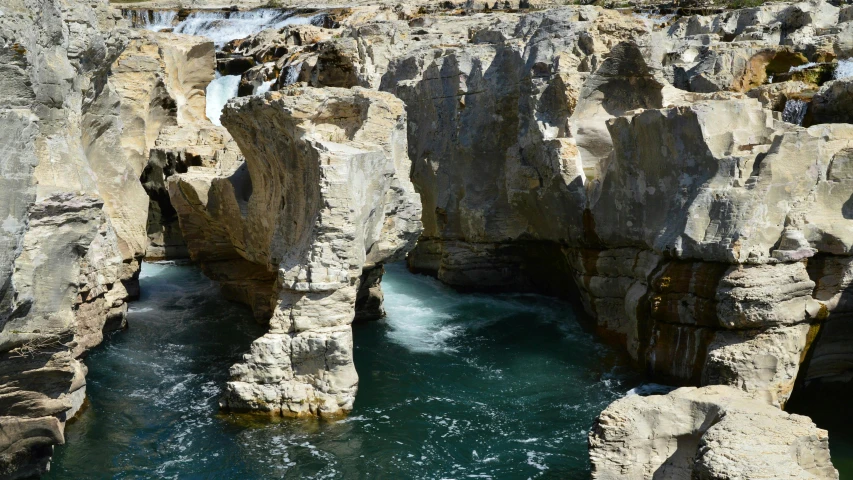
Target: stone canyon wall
(650, 167)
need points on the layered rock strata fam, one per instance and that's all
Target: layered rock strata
(322, 201)
(63, 260)
(624, 155)
(82, 105)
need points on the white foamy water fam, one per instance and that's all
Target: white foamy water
(264, 87)
(158, 20)
(844, 69)
(795, 111)
(220, 90)
(222, 27)
(650, 389)
(802, 67)
(418, 326)
(291, 75)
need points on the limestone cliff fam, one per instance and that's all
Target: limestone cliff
(323, 200)
(586, 144)
(650, 166)
(62, 260)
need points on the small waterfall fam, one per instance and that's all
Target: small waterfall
(795, 111)
(223, 27)
(291, 76)
(158, 20)
(154, 20)
(844, 69)
(264, 87)
(800, 68)
(220, 90)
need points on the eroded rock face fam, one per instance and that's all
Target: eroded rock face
(706, 433)
(324, 196)
(623, 153)
(63, 260)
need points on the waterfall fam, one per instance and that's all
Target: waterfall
(159, 20)
(844, 69)
(800, 68)
(291, 76)
(795, 111)
(218, 25)
(220, 90)
(263, 88)
(222, 27)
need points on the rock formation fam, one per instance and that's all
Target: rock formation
(322, 201)
(62, 260)
(709, 433)
(83, 102)
(641, 164)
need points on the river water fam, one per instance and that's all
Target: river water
(452, 386)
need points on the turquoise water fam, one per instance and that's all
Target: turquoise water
(452, 386)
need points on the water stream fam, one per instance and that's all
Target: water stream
(451, 386)
(219, 91)
(795, 111)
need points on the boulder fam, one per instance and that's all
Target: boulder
(706, 433)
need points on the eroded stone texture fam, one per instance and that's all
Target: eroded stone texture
(714, 432)
(324, 196)
(685, 211)
(64, 258)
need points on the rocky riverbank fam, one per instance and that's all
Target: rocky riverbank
(687, 178)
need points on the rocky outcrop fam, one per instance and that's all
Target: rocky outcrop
(63, 260)
(83, 104)
(322, 200)
(833, 103)
(644, 165)
(161, 79)
(624, 156)
(706, 433)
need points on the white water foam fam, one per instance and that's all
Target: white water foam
(220, 90)
(418, 327)
(418, 315)
(222, 27)
(159, 20)
(795, 111)
(844, 69)
(263, 88)
(650, 389)
(800, 68)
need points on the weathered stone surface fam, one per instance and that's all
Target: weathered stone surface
(833, 103)
(604, 140)
(63, 260)
(322, 197)
(709, 433)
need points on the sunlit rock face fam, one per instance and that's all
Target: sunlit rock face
(576, 143)
(63, 260)
(706, 433)
(323, 199)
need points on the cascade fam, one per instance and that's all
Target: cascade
(795, 111)
(220, 90)
(292, 73)
(222, 27)
(844, 69)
